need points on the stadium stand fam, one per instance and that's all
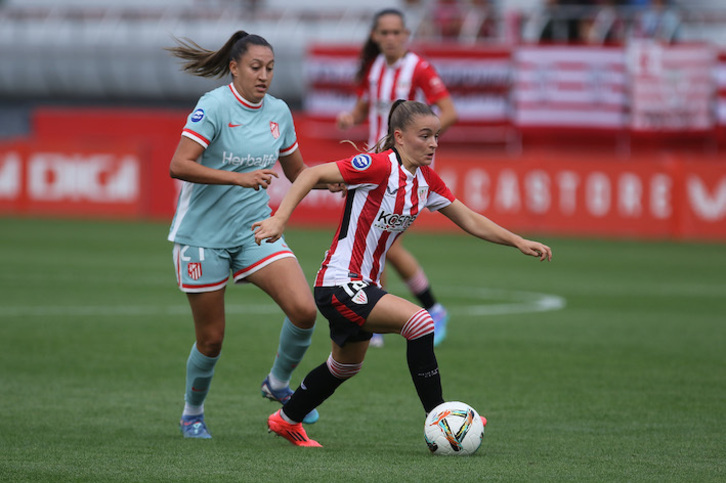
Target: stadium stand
(94, 49)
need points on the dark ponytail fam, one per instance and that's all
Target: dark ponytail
(370, 49)
(400, 117)
(208, 63)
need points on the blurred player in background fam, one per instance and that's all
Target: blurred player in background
(389, 71)
(386, 192)
(229, 144)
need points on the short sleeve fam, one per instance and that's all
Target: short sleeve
(289, 136)
(428, 81)
(203, 123)
(364, 168)
(440, 196)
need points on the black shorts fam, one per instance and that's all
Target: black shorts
(347, 307)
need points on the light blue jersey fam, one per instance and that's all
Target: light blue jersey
(238, 136)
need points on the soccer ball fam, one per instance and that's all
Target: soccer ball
(453, 428)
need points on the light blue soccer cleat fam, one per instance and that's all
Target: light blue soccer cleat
(377, 340)
(282, 396)
(194, 427)
(441, 317)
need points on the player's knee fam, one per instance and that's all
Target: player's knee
(210, 346)
(342, 371)
(304, 316)
(420, 324)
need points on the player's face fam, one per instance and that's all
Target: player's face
(252, 73)
(391, 36)
(418, 142)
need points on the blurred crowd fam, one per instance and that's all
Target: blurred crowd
(606, 21)
(561, 21)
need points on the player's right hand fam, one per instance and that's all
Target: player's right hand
(260, 178)
(269, 229)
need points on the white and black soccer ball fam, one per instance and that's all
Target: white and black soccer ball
(453, 428)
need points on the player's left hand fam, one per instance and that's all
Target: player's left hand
(270, 229)
(338, 188)
(536, 249)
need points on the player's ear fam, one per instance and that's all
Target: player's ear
(233, 67)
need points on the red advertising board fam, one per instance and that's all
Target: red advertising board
(57, 178)
(108, 168)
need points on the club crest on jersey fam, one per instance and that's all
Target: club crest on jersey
(194, 269)
(275, 129)
(361, 162)
(422, 192)
(198, 115)
(360, 298)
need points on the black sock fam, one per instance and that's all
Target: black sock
(424, 371)
(317, 386)
(426, 298)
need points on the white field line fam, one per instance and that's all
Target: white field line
(515, 303)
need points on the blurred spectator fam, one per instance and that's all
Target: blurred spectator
(479, 22)
(660, 21)
(418, 13)
(605, 26)
(558, 21)
(448, 18)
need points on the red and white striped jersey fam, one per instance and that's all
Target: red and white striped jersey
(383, 200)
(411, 78)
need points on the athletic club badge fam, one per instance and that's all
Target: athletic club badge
(360, 298)
(275, 129)
(194, 269)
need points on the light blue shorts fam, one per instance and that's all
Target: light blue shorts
(201, 269)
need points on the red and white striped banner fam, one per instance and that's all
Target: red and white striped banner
(570, 87)
(478, 78)
(720, 80)
(672, 87)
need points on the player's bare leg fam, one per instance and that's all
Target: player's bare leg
(284, 281)
(415, 278)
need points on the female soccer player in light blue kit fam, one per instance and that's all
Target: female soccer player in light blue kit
(229, 144)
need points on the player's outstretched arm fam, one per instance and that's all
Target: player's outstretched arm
(271, 229)
(482, 227)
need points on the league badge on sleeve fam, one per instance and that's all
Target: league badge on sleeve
(361, 162)
(197, 115)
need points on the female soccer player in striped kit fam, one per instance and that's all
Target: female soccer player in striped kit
(389, 71)
(229, 144)
(386, 192)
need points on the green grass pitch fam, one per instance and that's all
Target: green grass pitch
(607, 364)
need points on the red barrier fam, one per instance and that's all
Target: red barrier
(154, 132)
(67, 178)
(114, 163)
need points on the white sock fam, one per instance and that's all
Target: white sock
(192, 410)
(275, 383)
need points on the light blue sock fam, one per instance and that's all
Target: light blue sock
(200, 370)
(294, 341)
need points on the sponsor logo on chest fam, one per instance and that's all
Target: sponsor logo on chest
(243, 160)
(393, 221)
